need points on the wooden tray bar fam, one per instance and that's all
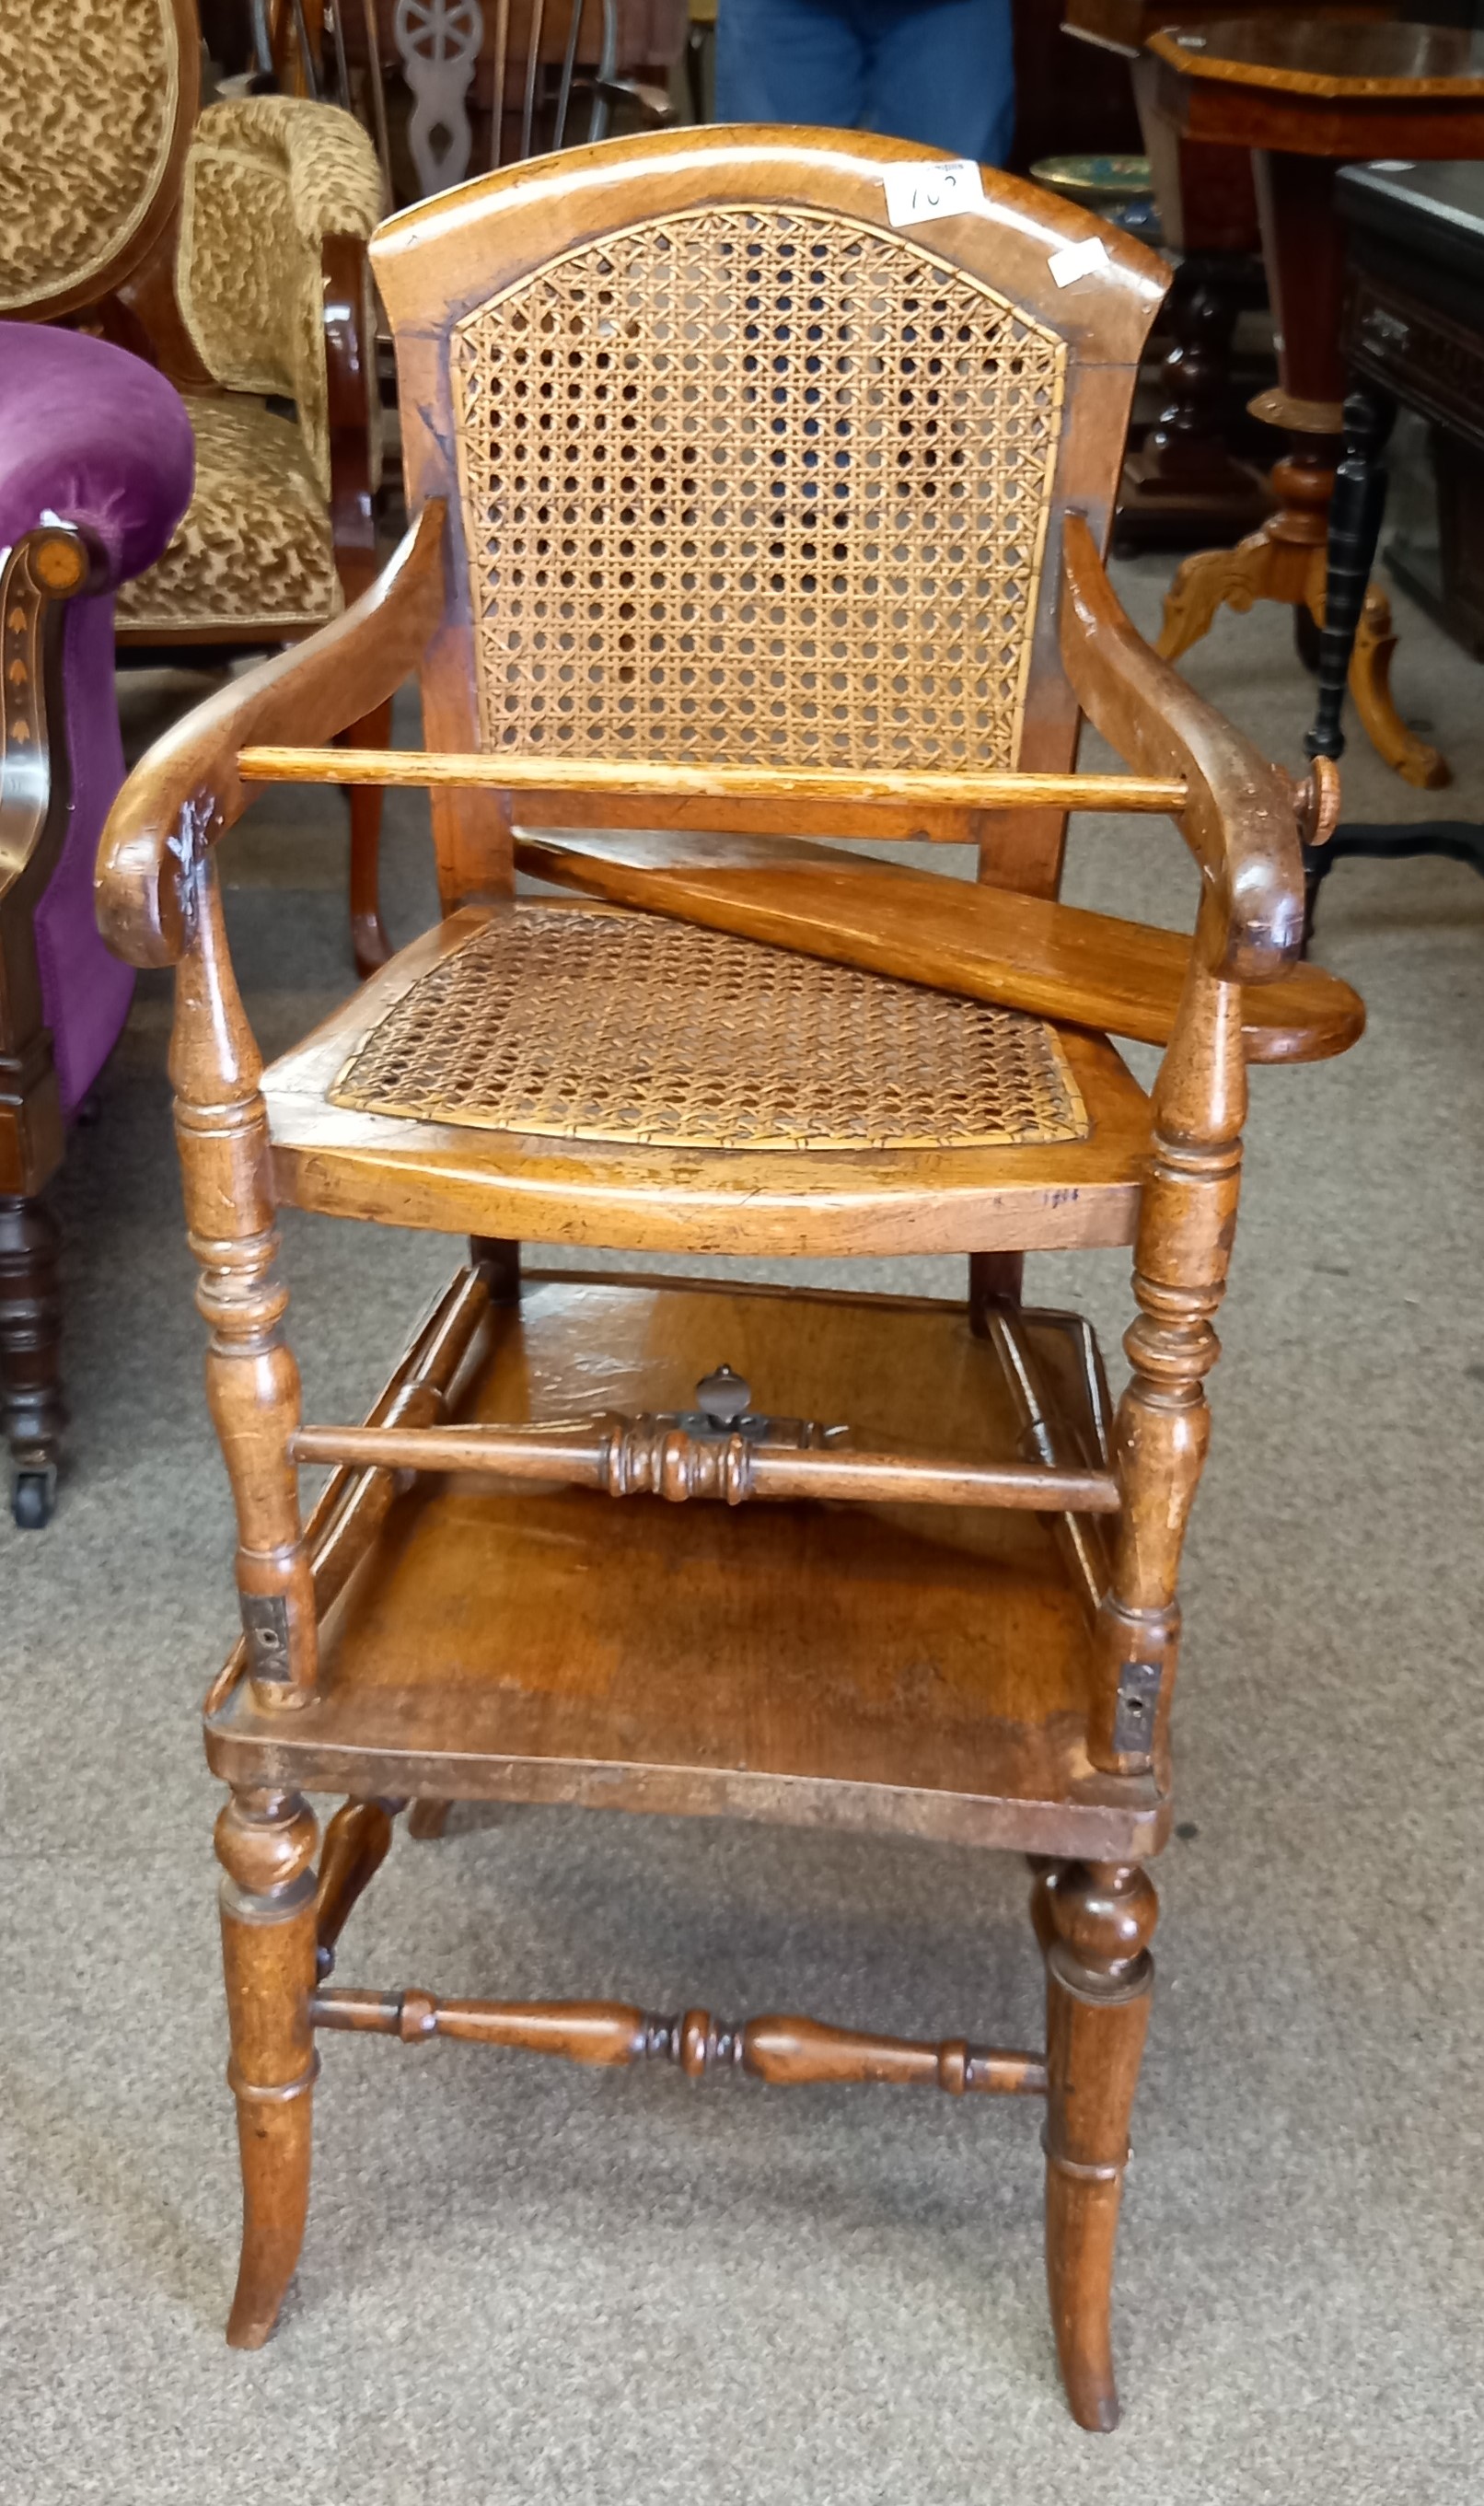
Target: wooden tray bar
(965, 788)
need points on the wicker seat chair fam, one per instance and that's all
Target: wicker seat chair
(733, 496)
(229, 248)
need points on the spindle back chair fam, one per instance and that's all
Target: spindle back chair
(424, 76)
(734, 495)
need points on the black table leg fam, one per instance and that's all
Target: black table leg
(1355, 510)
(1354, 528)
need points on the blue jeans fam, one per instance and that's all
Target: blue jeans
(940, 71)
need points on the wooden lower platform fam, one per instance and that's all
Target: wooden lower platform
(912, 1670)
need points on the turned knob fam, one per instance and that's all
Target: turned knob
(723, 1398)
(1317, 802)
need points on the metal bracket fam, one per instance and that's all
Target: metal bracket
(722, 1409)
(265, 1626)
(1133, 1732)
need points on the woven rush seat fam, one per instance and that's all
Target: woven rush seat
(589, 1023)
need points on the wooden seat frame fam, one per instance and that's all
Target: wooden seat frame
(1084, 1789)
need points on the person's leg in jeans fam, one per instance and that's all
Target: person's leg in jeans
(793, 60)
(943, 71)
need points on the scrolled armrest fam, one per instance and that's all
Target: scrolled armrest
(187, 792)
(1239, 820)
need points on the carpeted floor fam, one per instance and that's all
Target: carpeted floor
(527, 2283)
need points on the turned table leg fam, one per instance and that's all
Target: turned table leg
(31, 1407)
(265, 1842)
(1101, 1916)
(1355, 510)
(1356, 640)
(1183, 483)
(1286, 560)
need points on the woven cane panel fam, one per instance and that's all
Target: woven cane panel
(755, 485)
(591, 1023)
(88, 95)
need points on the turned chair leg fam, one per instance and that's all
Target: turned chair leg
(357, 1842)
(31, 1409)
(368, 931)
(1099, 1918)
(265, 1842)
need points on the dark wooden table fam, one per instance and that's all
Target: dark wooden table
(1413, 337)
(1306, 95)
(1184, 486)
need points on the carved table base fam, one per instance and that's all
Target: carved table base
(1286, 562)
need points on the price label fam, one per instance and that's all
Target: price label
(1078, 261)
(914, 194)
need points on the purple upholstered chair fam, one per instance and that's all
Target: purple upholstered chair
(95, 467)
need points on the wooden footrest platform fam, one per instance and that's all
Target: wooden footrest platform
(912, 1669)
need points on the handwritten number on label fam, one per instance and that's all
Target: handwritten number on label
(932, 190)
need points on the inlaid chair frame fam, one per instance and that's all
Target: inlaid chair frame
(45, 569)
(1161, 1174)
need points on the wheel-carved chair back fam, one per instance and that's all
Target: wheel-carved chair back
(425, 76)
(738, 502)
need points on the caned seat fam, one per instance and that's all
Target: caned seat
(744, 513)
(878, 1114)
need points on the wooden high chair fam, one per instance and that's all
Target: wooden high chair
(736, 507)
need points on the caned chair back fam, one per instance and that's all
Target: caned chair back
(97, 99)
(738, 474)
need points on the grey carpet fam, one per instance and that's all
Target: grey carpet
(522, 2282)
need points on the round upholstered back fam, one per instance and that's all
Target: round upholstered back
(96, 102)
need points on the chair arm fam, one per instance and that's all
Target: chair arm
(1239, 820)
(187, 792)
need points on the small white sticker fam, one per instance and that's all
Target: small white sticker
(1078, 261)
(916, 193)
